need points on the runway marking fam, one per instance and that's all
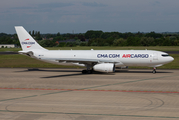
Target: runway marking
(89, 114)
(68, 90)
(18, 98)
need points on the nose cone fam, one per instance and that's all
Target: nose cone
(171, 59)
(168, 59)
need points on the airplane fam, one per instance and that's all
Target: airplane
(94, 60)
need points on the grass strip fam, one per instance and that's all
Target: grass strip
(22, 61)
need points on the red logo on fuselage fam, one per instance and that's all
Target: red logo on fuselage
(126, 56)
(26, 39)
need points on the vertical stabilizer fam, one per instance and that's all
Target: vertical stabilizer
(26, 40)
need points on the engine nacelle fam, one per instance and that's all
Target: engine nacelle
(104, 67)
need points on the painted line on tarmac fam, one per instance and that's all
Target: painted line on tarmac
(68, 90)
(90, 114)
(18, 98)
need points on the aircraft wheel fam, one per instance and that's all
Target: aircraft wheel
(84, 71)
(90, 71)
(154, 71)
(87, 71)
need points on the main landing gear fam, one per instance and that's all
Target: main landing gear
(87, 71)
(154, 70)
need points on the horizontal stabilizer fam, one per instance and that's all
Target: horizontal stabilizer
(28, 53)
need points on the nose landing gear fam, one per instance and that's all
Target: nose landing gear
(154, 70)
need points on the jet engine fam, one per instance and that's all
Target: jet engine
(104, 67)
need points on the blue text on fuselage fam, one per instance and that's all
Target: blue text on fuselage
(108, 55)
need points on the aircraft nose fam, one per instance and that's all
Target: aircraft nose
(171, 58)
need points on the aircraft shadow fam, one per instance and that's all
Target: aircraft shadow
(46, 70)
(140, 71)
(67, 75)
(95, 72)
(99, 73)
(78, 72)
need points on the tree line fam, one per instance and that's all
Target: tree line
(98, 38)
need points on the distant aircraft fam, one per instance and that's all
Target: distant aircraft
(94, 60)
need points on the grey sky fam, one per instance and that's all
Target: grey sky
(64, 16)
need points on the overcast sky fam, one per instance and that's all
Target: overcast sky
(64, 16)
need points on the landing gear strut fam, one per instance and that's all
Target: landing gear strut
(154, 70)
(89, 69)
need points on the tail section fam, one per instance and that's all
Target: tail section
(26, 40)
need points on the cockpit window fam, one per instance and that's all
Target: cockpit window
(165, 55)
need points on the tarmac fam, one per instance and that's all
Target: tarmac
(67, 94)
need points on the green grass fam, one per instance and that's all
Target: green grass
(159, 48)
(10, 49)
(22, 61)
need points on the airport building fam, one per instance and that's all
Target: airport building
(7, 45)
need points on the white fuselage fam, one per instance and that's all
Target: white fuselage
(97, 60)
(148, 58)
